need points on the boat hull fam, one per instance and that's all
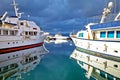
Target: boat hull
(16, 43)
(99, 46)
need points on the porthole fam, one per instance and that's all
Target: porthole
(116, 66)
(17, 55)
(115, 51)
(21, 23)
(8, 56)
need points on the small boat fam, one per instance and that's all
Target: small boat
(102, 38)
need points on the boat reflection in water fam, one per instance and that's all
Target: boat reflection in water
(98, 67)
(12, 65)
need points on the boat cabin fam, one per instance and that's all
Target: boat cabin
(103, 31)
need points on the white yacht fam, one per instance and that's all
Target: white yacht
(17, 34)
(100, 38)
(57, 39)
(97, 67)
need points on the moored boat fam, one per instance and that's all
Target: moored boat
(57, 39)
(17, 34)
(102, 38)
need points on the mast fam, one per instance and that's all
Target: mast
(15, 8)
(106, 12)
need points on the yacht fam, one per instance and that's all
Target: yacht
(57, 39)
(17, 34)
(97, 67)
(100, 38)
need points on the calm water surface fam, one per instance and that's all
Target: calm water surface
(56, 65)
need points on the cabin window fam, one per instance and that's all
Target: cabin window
(102, 74)
(11, 32)
(35, 33)
(16, 32)
(31, 33)
(5, 68)
(110, 34)
(0, 69)
(81, 35)
(102, 34)
(110, 77)
(92, 78)
(35, 57)
(0, 32)
(118, 34)
(26, 33)
(26, 60)
(5, 32)
(12, 65)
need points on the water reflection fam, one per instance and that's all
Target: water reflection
(98, 67)
(12, 65)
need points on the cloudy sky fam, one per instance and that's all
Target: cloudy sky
(51, 12)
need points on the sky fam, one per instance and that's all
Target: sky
(50, 13)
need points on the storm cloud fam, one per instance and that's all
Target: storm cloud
(53, 12)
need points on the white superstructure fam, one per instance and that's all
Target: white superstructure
(17, 34)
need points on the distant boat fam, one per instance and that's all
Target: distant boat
(58, 38)
(17, 34)
(101, 38)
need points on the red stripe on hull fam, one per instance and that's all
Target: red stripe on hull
(7, 50)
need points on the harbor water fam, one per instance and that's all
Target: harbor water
(56, 65)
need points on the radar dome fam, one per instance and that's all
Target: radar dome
(110, 4)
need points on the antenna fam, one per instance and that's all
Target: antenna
(106, 11)
(15, 8)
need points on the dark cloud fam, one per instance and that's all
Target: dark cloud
(57, 12)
